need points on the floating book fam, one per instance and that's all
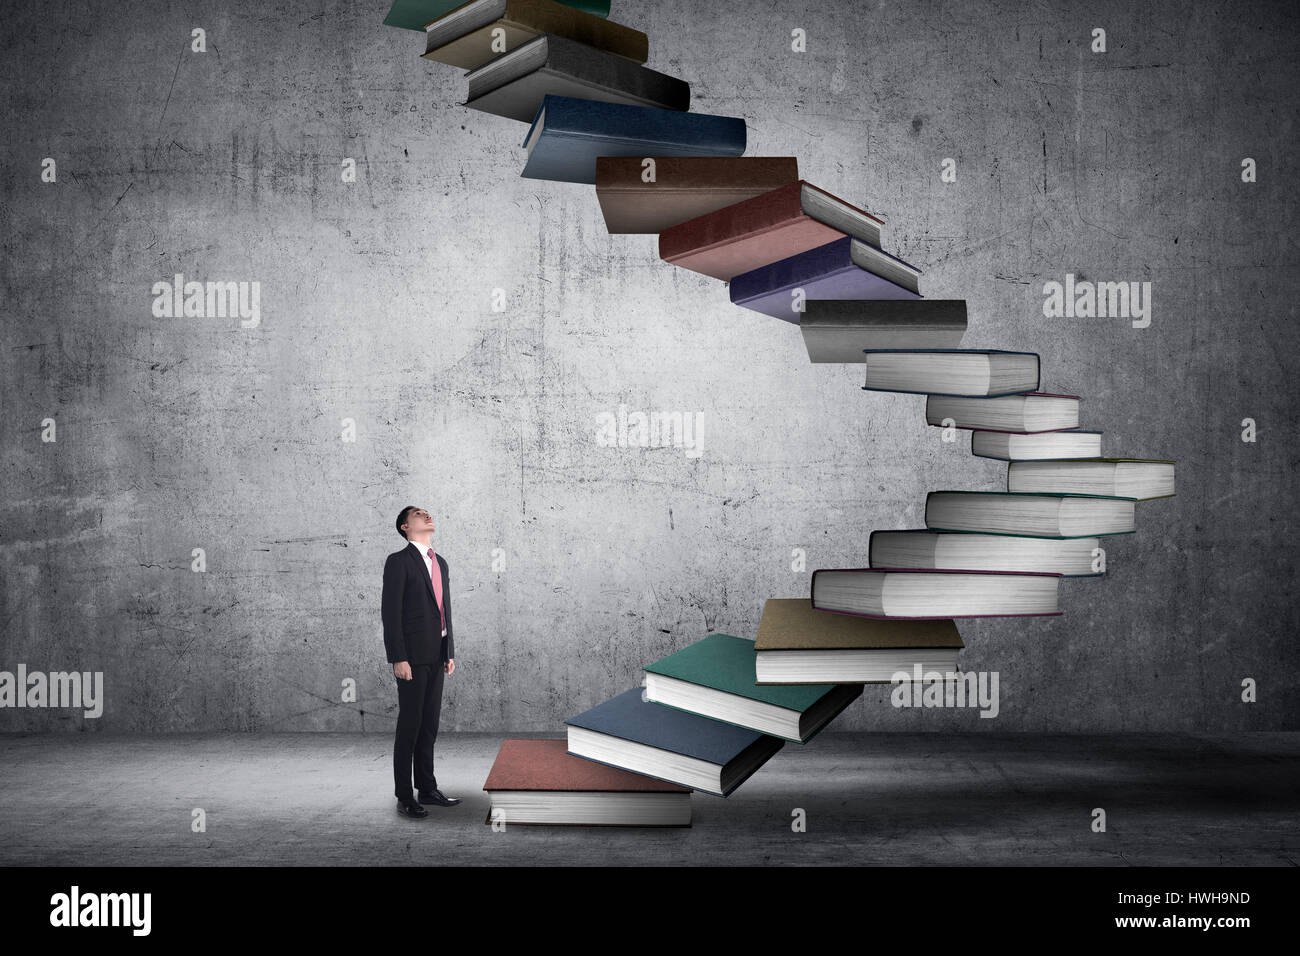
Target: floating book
(839, 330)
(911, 593)
(799, 645)
(668, 744)
(416, 14)
(539, 782)
(464, 37)
(963, 551)
(683, 187)
(1139, 478)
(746, 235)
(568, 134)
(715, 678)
(514, 84)
(1035, 412)
(1009, 446)
(951, 372)
(843, 269)
(1032, 515)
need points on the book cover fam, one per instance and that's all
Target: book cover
(563, 67)
(482, 30)
(415, 14)
(527, 764)
(841, 330)
(726, 663)
(924, 380)
(568, 135)
(756, 232)
(791, 624)
(1037, 503)
(824, 272)
(645, 722)
(884, 574)
(682, 188)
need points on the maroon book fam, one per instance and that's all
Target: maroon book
(684, 187)
(757, 232)
(539, 783)
(547, 765)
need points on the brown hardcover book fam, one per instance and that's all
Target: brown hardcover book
(759, 231)
(538, 782)
(464, 37)
(684, 187)
(524, 764)
(790, 624)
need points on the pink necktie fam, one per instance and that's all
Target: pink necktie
(436, 578)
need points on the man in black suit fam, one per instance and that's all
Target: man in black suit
(416, 611)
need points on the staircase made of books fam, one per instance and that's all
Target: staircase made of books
(711, 714)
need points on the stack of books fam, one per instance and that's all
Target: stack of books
(709, 716)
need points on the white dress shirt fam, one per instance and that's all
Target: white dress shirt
(428, 568)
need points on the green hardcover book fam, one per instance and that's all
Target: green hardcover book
(414, 14)
(716, 678)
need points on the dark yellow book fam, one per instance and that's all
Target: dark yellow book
(800, 645)
(482, 30)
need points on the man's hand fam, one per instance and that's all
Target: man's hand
(402, 670)
(450, 665)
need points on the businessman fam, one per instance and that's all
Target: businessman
(416, 611)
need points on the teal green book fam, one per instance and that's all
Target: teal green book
(414, 14)
(716, 678)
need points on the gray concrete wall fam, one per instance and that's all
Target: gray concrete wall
(183, 433)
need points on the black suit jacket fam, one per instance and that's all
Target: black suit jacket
(412, 625)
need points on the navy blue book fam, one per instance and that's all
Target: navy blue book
(843, 269)
(634, 734)
(568, 134)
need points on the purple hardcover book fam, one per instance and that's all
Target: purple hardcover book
(843, 269)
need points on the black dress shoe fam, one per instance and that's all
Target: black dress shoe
(438, 799)
(410, 808)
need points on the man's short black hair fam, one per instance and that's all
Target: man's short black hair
(401, 519)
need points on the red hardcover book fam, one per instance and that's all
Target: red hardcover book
(757, 232)
(539, 782)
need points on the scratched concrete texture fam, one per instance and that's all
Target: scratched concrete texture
(573, 565)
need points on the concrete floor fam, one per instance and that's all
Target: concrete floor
(894, 799)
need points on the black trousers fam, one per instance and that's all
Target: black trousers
(418, 702)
